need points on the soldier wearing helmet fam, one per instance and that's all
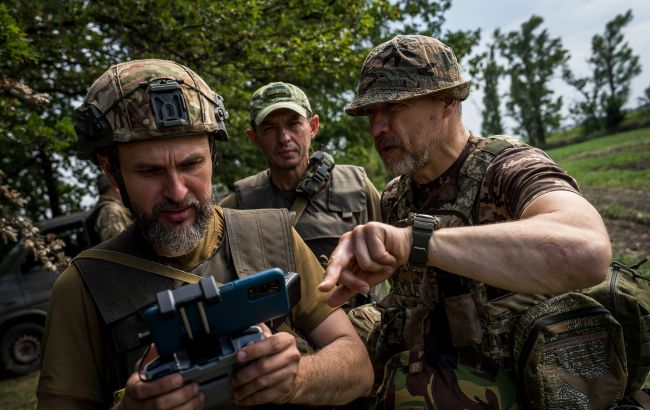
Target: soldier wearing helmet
(151, 126)
(468, 220)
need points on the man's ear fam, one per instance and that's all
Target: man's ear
(252, 135)
(450, 105)
(314, 124)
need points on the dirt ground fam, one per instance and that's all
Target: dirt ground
(629, 233)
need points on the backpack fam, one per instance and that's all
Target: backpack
(626, 294)
(568, 353)
(591, 346)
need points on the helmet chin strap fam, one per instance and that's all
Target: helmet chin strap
(114, 170)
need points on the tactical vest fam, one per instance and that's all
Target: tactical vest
(331, 212)
(432, 310)
(253, 241)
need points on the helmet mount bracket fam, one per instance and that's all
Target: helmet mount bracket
(167, 103)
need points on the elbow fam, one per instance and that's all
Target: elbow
(596, 260)
(368, 377)
(602, 261)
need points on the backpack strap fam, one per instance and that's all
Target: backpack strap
(298, 207)
(317, 175)
(139, 263)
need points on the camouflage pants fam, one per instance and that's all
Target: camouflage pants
(460, 380)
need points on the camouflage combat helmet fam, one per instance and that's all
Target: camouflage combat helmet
(147, 99)
(405, 67)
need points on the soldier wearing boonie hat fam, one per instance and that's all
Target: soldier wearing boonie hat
(406, 67)
(438, 344)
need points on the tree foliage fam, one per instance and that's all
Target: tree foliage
(13, 96)
(607, 89)
(486, 71)
(235, 46)
(533, 58)
(645, 98)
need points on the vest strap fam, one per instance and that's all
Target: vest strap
(139, 263)
(298, 207)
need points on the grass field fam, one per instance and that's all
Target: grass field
(613, 173)
(614, 161)
(18, 393)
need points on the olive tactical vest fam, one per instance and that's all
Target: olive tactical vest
(253, 241)
(431, 310)
(331, 212)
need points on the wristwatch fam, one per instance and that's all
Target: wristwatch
(423, 227)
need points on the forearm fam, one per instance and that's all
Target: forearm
(336, 374)
(544, 253)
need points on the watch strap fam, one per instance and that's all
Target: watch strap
(423, 227)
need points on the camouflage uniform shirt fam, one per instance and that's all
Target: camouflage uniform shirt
(113, 217)
(511, 181)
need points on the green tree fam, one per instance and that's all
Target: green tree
(645, 98)
(14, 95)
(533, 59)
(607, 89)
(235, 46)
(587, 111)
(485, 69)
(614, 65)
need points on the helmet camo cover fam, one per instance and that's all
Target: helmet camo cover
(118, 106)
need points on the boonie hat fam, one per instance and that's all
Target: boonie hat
(274, 96)
(405, 67)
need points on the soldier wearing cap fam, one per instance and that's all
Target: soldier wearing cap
(468, 220)
(328, 200)
(151, 125)
(109, 216)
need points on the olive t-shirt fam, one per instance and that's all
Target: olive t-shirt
(73, 363)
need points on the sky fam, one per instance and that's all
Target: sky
(574, 21)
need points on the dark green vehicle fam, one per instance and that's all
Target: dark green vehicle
(25, 288)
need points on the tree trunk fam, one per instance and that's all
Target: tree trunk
(48, 172)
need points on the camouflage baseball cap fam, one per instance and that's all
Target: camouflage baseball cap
(274, 96)
(405, 67)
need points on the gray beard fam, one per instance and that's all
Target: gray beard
(412, 160)
(408, 165)
(176, 240)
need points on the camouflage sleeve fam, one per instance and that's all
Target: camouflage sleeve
(520, 175)
(113, 219)
(389, 200)
(230, 201)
